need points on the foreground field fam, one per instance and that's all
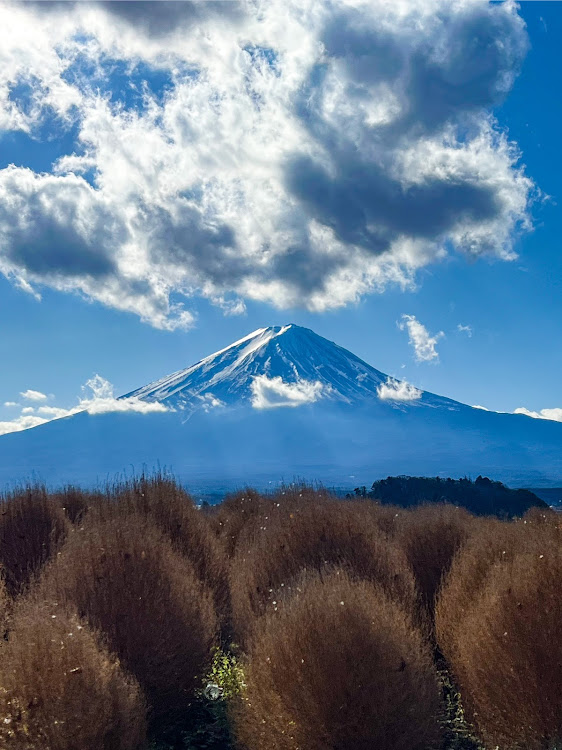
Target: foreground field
(296, 621)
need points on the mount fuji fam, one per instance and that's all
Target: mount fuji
(284, 403)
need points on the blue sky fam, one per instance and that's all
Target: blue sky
(100, 279)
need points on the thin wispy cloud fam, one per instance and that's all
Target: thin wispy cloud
(97, 398)
(465, 329)
(295, 153)
(419, 338)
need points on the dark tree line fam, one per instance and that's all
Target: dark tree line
(481, 496)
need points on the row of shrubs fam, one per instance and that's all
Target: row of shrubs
(314, 623)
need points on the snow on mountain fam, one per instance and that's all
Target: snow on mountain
(280, 366)
(282, 403)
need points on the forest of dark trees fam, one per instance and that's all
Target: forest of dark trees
(481, 496)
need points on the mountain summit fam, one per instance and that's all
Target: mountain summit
(279, 366)
(282, 403)
(293, 354)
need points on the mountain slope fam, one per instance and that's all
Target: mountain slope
(290, 352)
(282, 403)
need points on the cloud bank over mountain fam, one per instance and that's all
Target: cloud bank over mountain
(289, 152)
(270, 393)
(97, 398)
(554, 414)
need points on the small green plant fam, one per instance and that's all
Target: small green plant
(458, 734)
(225, 678)
(209, 726)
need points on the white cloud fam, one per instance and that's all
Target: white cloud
(465, 329)
(553, 414)
(31, 395)
(11, 403)
(398, 390)
(101, 399)
(230, 308)
(419, 338)
(24, 422)
(294, 155)
(482, 408)
(268, 393)
(97, 398)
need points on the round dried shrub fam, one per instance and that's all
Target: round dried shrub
(32, 529)
(170, 508)
(76, 502)
(386, 516)
(300, 493)
(340, 666)
(61, 690)
(312, 537)
(493, 543)
(431, 535)
(537, 516)
(509, 653)
(123, 575)
(230, 517)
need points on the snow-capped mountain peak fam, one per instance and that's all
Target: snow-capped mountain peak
(278, 366)
(227, 425)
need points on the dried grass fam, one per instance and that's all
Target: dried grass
(313, 536)
(172, 510)
(508, 658)
(124, 576)
(5, 605)
(61, 690)
(340, 666)
(431, 535)
(32, 529)
(493, 543)
(76, 502)
(229, 518)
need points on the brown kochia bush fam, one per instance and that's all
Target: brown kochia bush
(493, 543)
(4, 605)
(240, 512)
(340, 666)
(508, 659)
(301, 493)
(76, 502)
(230, 517)
(61, 690)
(32, 529)
(123, 575)
(169, 507)
(386, 516)
(536, 516)
(430, 535)
(269, 557)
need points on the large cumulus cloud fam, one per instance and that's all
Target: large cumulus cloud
(298, 153)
